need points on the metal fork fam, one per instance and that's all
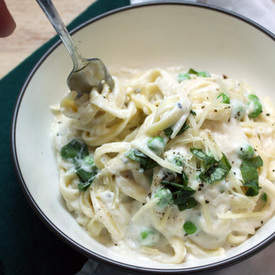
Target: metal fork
(87, 73)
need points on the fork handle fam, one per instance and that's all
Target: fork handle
(49, 9)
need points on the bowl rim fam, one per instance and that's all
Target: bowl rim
(58, 232)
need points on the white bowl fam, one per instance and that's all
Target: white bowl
(154, 35)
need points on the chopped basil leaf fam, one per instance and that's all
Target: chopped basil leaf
(213, 174)
(183, 76)
(249, 172)
(77, 152)
(187, 204)
(198, 153)
(255, 106)
(181, 195)
(173, 184)
(83, 186)
(184, 178)
(74, 149)
(193, 113)
(264, 197)
(218, 174)
(85, 176)
(168, 131)
(192, 71)
(224, 163)
(202, 74)
(250, 175)
(252, 188)
(213, 170)
(224, 97)
(179, 162)
(256, 161)
(144, 161)
(189, 228)
(183, 129)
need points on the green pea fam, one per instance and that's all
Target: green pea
(178, 160)
(254, 106)
(149, 236)
(238, 109)
(224, 97)
(189, 228)
(156, 144)
(165, 197)
(89, 160)
(246, 152)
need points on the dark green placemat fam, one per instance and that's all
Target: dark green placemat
(26, 244)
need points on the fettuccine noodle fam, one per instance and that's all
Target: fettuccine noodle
(138, 180)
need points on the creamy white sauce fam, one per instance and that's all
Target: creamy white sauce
(126, 215)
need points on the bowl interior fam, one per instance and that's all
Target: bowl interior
(143, 37)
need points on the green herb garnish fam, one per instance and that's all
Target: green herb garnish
(186, 76)
(224, 163)
(83, 186)
(202, 74)
(144, 161)
(187, 204)
(213, 175)
(250, 175)
(181, 194)
(199, 154)
(183, 129)
(84, 175)
(74, 149)
(174, 184)
(212, 170)
(168, 131)
(189, 228)
(77, 152)
(264, 197)
(184, 178)
(183, 76)
(179, 162)
(193, 113)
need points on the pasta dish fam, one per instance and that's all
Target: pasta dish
(169, 163)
